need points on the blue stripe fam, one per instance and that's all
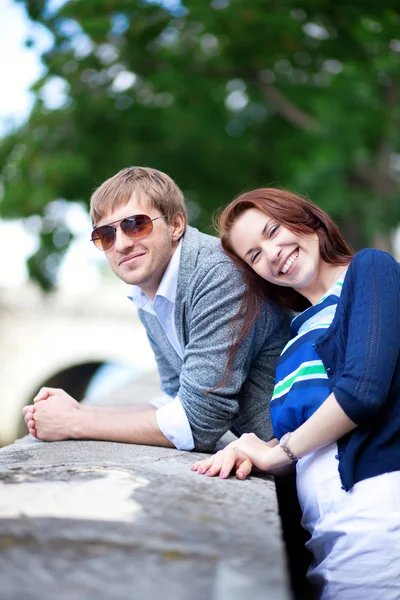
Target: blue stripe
(290, 415)
(300, 385)
(309, 337)
(298, 321)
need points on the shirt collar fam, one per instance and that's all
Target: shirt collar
(168, 284)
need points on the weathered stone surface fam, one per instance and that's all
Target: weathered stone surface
(101, 520)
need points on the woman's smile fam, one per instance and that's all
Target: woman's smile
(290, 263)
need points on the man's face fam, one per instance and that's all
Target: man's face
(141, 262)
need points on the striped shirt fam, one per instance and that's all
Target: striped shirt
(302, 383)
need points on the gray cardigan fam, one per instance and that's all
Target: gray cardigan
(209, 294)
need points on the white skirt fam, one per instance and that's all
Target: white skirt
(355, 535)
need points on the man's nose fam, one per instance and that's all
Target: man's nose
(123, 241)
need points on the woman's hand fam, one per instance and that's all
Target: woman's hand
(239, 456)
(223, 462)
(257, 450)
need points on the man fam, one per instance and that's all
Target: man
(188, 294)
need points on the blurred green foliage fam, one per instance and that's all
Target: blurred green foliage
(224, 96)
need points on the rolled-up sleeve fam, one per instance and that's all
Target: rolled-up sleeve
(173, 423)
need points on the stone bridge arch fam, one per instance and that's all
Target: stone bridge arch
(61, 340)
(73, 379)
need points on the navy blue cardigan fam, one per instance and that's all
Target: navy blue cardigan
(360, 351)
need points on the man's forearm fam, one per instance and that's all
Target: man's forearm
(120, 425)
(56, 416)
(115, 410)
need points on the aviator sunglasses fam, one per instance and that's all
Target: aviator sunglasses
(136, 227)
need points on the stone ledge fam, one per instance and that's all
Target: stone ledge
(101, 520)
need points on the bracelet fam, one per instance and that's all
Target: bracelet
(283, 442)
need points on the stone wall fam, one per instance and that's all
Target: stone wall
(101, 520)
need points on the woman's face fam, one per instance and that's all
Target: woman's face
(276, 253)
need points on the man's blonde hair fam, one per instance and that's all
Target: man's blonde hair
(149, 185)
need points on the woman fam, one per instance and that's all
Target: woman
(336, 403)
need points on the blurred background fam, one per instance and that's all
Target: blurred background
(223, 95)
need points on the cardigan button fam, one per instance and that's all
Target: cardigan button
(337, 456)
(328, 370)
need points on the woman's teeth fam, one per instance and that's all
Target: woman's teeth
(292, 258)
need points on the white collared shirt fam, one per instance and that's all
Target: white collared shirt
(170, 415)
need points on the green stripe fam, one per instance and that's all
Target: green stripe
(339, 283)
(314, 370)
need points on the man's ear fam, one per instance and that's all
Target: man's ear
(178, 227)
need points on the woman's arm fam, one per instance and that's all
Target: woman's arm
(326, 425)
(372, 321)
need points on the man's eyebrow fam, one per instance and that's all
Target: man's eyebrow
(262, 233)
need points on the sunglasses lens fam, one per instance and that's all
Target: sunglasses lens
(103, 237)
(137, 227)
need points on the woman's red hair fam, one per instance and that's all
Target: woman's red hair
(300, 216)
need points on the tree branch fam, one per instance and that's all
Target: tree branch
(377, 176)
(390, 98)
(286, 109)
